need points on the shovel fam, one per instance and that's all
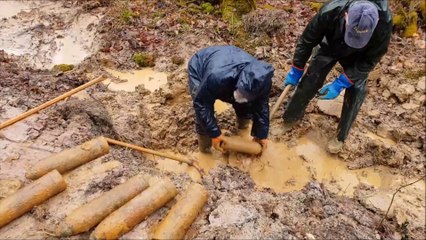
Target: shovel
(279, 101)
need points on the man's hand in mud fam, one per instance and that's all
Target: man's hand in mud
(217, 142)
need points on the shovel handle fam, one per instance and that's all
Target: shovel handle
(279, 101)
(51, 102)
(190, 162)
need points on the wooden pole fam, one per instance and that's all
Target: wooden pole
(70, 159)
(135, 211)
(157, 153)
(51, 102)
(89, 215)
(279, 101)
(236, 144)
(183, 214)
(31, 195)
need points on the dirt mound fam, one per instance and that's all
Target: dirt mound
(89, 110)
(266, 21)
(235, 210)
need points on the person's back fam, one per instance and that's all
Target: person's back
(230, 74)
(220, 66)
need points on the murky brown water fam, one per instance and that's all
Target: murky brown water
(21, 32)
(286, 169)
(332, 171)
(77, 43)
(11, 8)
(151, 79)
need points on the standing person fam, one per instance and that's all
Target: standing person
(355, 33)
(232, 75)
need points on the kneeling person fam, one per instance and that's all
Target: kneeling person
(232, 75)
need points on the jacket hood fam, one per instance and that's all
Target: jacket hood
(255, 79)
(381, 4)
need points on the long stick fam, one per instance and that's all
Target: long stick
(394, 194)
(279, 101)
(50, 102)
(157, 153)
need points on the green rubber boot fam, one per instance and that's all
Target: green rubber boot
(204, 143)
(334, 146)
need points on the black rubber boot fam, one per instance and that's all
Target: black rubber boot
(204, 143)
(243, 123)
(354, 97)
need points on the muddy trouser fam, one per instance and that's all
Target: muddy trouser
(204, 141)
(243, 112)
(313, 80)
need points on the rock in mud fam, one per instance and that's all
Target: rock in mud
(92, 111)
(228, 214)
(386, 94)
(373, 113)
(384, 131)
(421, 84)
(8, 187)
(310, 236)
(331, 107)
(410, 106)
(3, 57)
(403, 91)
(375, 75)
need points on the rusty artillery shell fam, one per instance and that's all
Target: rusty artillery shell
(87, 216)
(135, 211)
(241, 145)
(70, 158)
(31, 195)
(182, 214)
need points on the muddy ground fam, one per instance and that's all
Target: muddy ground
(295, 190)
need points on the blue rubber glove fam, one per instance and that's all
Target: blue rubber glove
(332, 90)
(293, 76)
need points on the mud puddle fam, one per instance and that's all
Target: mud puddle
(334, 172)
(45, 33)
(151, 80)
(12, 8)
(285, 169)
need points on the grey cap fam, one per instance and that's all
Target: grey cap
(363, 17)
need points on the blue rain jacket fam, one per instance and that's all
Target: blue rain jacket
(216, 72)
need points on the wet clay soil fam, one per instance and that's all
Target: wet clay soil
(147, 77)
(294, 190)
(44, 33)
